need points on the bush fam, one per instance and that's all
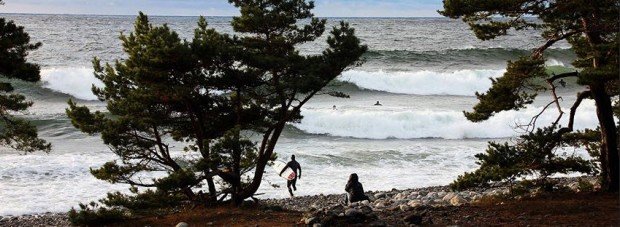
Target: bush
(94, 214)
(533, 154)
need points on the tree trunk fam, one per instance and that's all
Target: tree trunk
(262, 162)
(610, 162)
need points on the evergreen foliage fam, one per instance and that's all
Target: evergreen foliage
(15, 132)
(203, 98)
(591, 27)
(535, 154)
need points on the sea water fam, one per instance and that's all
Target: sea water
(424, 72)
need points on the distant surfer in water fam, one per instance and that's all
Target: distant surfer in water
(378, 104)
(294, 165)
(355, 190)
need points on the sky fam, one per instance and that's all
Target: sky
(324, 8)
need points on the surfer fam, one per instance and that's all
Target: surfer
(355, 190)
(378, 104)
(294, 165)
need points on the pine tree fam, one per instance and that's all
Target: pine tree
(15, 132)
(591, 27)
(271, 30)
(208, 94)
(160, 94)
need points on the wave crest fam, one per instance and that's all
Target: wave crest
(412, 124)
(462, 82)
(75, 81)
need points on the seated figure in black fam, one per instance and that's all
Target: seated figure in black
(355, 190)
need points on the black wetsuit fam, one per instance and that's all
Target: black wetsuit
(355, 190)
(294, 165)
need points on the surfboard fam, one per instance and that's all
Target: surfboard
(288, 174)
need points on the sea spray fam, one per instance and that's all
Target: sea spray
(75, 81)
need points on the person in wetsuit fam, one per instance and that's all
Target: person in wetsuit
(355, 190)
(294, 165)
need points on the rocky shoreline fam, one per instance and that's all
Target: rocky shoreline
(325, 209)
(332, 210)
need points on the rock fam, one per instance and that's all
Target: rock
(423, 193)
(337, 208)
(574, 186)
(448, 196)
(400, 196)
(379, 195)
(366, 210)
(405, 207)
(441, 194)
(351, 212)
(317, 225)
(365, 202)
(457, 201)
(182, 224)
(431, 195)
(414, 203)
(413, 219)
(380, 205)
(400, 202)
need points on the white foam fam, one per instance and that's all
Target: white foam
(385, 123)
(554, 62)
(74, 81)
(462, 82)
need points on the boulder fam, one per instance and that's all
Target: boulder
(441, 194)
(379, 195)
(574, 186)
(457, 201)
(448, 196)
(400, 196)
(414, 203)
(352, 212)
(337, 208)
(366, 210)
(182, 224)
(405, 207)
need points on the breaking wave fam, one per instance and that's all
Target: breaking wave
(462, 82)
(411, 124)
(76, 81)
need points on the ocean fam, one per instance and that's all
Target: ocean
(424, 72)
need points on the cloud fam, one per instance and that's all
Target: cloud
(325, 8)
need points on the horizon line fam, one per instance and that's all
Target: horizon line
(155, 15)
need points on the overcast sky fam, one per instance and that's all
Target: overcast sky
(324, 8)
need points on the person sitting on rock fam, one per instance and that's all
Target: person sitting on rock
(355, 190)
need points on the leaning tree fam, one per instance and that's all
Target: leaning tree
(591, 27)
(284, 80)
(14, 47)
(207, 95)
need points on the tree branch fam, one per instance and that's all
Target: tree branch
(573, 109)
(539, 51)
